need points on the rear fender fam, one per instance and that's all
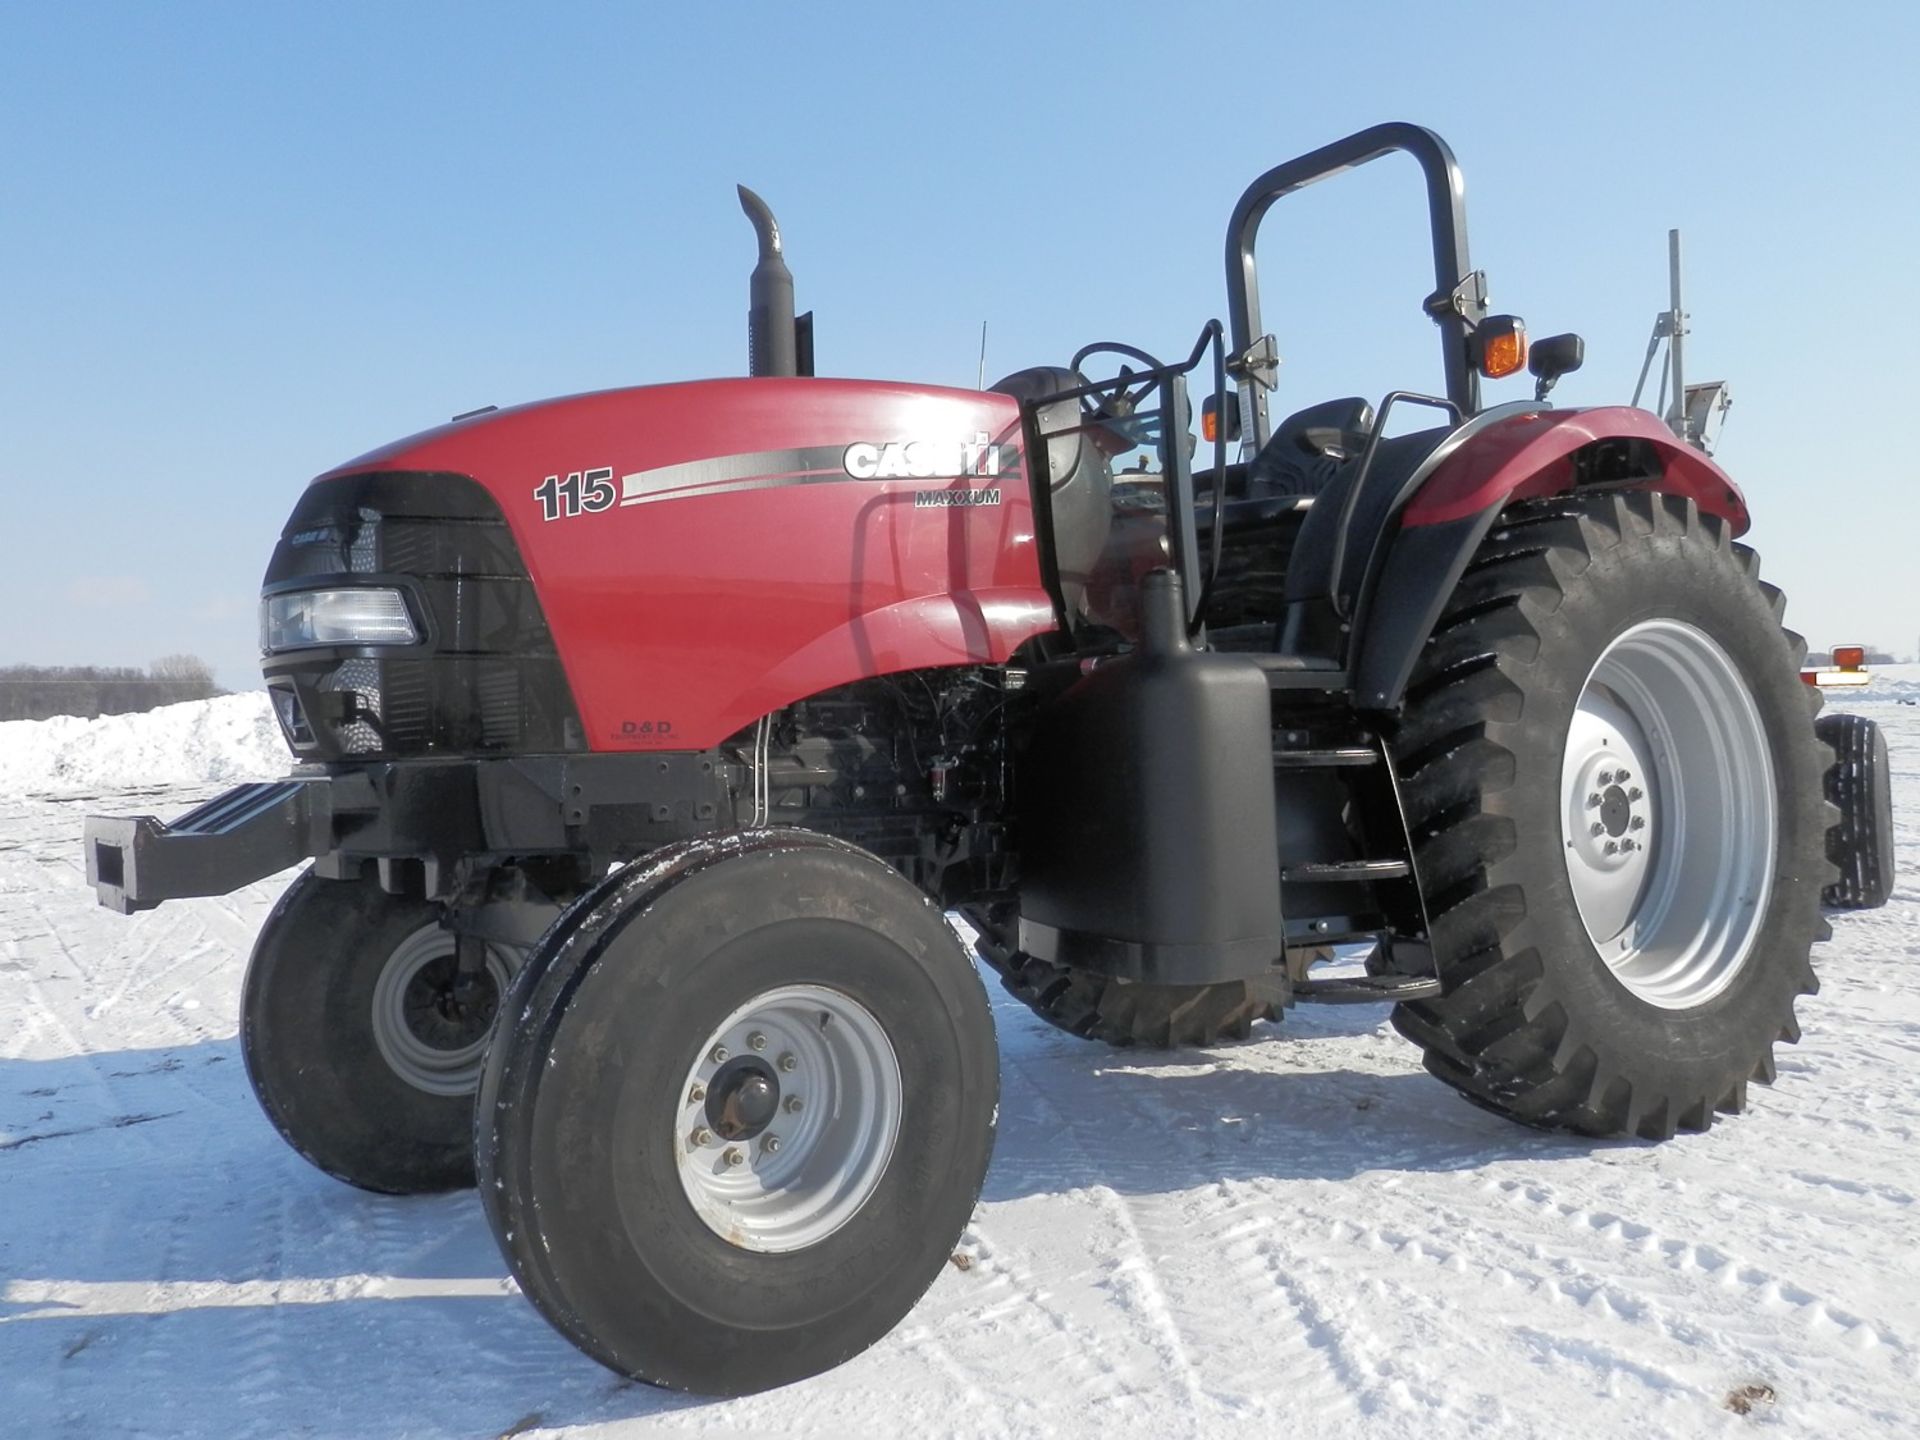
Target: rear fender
(1532, 455)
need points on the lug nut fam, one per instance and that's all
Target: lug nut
(1598, 829)
(718, 1055)
(1636, 823)
(793, 1105)
(756, 1041)
(1626, 844)
(696, 1094)
(1593, 801)
(733, 1156)
(787, 1063)
(771, 1144)
(1605, 777)
(1612, 848)
(1623, 776)
(702, 1136)
(1634, 793)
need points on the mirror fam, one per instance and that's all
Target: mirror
(1553, 357)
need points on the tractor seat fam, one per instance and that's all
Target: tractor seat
(1307, 452)
(1308, 449)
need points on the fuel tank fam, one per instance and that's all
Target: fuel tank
(1148, 837)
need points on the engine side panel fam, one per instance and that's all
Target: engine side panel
(709, 552)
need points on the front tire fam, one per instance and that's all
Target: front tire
(361, 1050)
(1614, 788)
(746, 1116)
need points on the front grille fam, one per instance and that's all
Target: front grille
(486, 678)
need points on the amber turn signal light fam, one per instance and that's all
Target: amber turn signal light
(1502, 344)
(1849, 657)
(1213, 412)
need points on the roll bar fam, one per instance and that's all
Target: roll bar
(1459, 299)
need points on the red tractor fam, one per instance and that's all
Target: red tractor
(644, 739)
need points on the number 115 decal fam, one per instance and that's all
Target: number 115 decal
(587, 492)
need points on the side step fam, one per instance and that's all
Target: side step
(1349, 870)
(1301, 672)
(1367, 989)
(1330, 757)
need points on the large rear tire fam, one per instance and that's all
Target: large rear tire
(745, 1116)
(1860, 785)
(363, 1050)
(1128, 1013)
(1614, 788)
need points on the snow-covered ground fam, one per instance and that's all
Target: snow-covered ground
(1301, 1235)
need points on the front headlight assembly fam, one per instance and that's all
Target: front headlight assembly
(305, 619)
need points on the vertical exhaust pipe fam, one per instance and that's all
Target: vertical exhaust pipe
(772, 339)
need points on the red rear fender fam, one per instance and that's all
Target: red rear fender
(1532, 455)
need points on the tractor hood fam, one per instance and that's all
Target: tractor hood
(692, 556)
(653, 426)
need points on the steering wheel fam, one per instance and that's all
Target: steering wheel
(1122, 401)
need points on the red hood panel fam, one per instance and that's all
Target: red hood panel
(708, 552)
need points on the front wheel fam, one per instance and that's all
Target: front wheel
(746, 1115)
(1614, 788)
(363, 1042)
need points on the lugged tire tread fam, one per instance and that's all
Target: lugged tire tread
(1127, 1014)
(1482, 1036)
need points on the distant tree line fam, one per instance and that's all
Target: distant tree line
(38, 692)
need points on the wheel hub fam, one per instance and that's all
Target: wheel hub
(430, 1022)
(448, 1011)
(1610, 818)
(1667, 813)
(743, 1098)
(788, 1118)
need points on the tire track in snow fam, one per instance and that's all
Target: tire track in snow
(1132, 1278)
(1753, 1283)
(1013, 1310)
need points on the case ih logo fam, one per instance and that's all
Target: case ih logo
(923, 459)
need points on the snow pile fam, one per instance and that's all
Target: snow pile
(202, 742)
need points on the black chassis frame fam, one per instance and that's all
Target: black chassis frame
(426, 826)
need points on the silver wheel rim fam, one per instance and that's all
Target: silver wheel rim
(1668, 813)
(435, 1069)
(836, 1108)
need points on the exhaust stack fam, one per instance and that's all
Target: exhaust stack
(777, 344)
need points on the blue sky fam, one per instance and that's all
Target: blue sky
(239, 243)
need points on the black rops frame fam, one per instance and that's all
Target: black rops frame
(1458, 302)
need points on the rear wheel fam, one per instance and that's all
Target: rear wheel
(363, 1042)
(1127, 1013)
(1611, 775)
(1860, 787)
(746, 1116)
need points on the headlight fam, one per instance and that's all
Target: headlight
(301, 619)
